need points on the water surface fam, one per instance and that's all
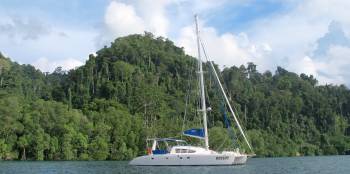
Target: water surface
(295, 165)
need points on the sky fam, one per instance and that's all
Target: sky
(311, 36)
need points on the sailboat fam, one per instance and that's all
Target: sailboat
(176, 152)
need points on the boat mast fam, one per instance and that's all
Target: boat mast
(204, 108)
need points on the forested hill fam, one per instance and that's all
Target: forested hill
(138, 88)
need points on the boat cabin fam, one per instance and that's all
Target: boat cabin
(164, 145)
(172, 146)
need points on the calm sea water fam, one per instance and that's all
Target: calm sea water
(295, 165)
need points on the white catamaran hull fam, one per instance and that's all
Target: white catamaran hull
(189, 160)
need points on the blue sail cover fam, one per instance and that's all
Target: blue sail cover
(197, 133)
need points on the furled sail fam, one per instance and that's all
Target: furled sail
(196, 133)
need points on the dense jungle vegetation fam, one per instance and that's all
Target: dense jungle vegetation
(138, 87)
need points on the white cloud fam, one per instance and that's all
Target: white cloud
(226, 49)
(154, 15)
(288, 39)
(75, 44)
(300, 41)
(334, 68)
(122, 19)
(305, 65)
(20, 28)
(47, 65)
(334, 36)
(331, 68)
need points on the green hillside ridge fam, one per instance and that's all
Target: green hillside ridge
(137, 89)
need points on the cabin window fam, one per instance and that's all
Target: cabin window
(222, 158)
(184, 151)
(191, 151)
(181, 150)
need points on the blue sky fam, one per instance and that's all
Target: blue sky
(309, 37)
(238, 17)
(65, 12)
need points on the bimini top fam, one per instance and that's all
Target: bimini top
(166, 139)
